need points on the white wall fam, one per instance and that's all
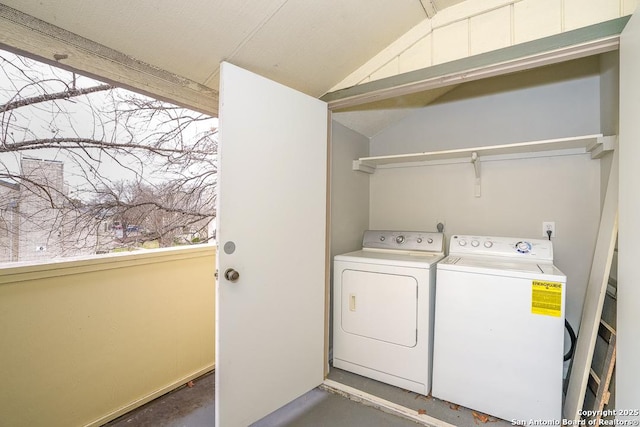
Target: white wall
(349, 198)
(349, 190)
(517, 195)
(549, 102)
(609, 107)
(609, 87)
(628, 362)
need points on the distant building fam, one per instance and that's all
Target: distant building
(39, 221)
(9, 196)
(41, 199)
(36, 221)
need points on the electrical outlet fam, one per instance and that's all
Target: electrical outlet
(548, 225)
(441, 221)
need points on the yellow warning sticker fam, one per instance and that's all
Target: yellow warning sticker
(546, 298)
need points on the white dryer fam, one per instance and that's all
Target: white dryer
(383, 307)
(499, 328)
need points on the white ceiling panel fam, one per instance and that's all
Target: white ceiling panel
(185, 38)
(307, 44)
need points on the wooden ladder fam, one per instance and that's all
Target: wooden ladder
(604, 358)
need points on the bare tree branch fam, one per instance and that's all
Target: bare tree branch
(67, 94)
(85, 143)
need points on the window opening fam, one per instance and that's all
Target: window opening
(90, 168)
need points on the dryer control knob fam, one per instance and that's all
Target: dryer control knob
(429, 240)
(400, 239)
(419, 240)
(488, 244)
(462, 242)
(382, 238)
(475, 243)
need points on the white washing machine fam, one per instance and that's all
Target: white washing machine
(499, 328)
(383, 307)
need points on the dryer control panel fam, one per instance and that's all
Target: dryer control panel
(508, 247)
(411, 241)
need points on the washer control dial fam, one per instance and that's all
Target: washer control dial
(382, 238)
(488, 244)
(475, 243)
(523, 247)
(429, 240)
(400, 239)
(462, 242)
(419, 240)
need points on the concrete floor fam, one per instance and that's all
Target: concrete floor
(435, 408)
(321, 408)
(194, 407)
(183, 407)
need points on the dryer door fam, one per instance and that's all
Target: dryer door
(380, 306)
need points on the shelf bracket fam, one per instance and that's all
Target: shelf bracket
(476, 166)
(602, 146)
(358, 165)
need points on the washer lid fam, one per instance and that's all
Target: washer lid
(502, 267)
(422, 260)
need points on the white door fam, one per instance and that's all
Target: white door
(628, 362)
(272, 212)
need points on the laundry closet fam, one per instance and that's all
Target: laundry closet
(499, 194)
(557, 97)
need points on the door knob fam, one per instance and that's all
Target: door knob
(231, 275)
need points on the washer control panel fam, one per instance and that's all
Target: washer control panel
(533, 249)
(411, 241)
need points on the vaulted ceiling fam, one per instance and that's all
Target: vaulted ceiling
(309, 45)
